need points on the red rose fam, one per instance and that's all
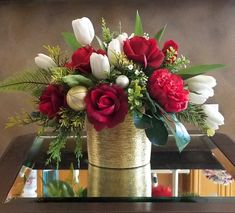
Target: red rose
(81, 59)
(167, 89)
(144, 51)
(51, 100)
(168, 45)
(161, 191)
(106, 105)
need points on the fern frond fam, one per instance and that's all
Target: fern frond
(28, 81)
(195, 115)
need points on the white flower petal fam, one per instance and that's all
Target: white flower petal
(197, 99)
(99, 65)
(209, 80)
(83, 30)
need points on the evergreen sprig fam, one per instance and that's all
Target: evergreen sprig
(195, 115)
(31, 81)
(107, 35)
(55, 147)
(56, 54)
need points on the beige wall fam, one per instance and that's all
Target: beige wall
(204, 29)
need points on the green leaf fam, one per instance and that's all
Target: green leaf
(158, 134)
(58, 188)
(75, 80)
(71, 40)
(158, 36)
(199, 69)
(143, 122)
(138, 25)
(100, 43)
(151, 103)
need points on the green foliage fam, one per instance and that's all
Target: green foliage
(179, 64)
(56, 54)
(106, 33)
(135, 96)
(59, 188)
(55, 147)
(31, 81)
(195, 115)
(157, 134)
(57, 74)
(72, 120)
(158, 36)
(142, 121)
(75, 80)
(102, 45)
(78, 147)
(138, 25)
(71, 40)
(199, 69)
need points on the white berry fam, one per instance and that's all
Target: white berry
(122, 81)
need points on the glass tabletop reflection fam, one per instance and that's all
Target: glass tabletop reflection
(196, 172)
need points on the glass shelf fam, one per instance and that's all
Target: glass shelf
(196, 173)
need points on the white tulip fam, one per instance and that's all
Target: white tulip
(99, 65)
(83, 30)
(116, 47)
(214, 117)
(45, 62)
(200, 88)
(122, 37)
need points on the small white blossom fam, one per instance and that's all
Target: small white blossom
(130, 67)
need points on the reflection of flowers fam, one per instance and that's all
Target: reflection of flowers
(161, 191)
(219, 176)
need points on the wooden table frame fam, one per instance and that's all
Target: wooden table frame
(11, 162)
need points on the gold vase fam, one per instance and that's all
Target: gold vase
(123, 146)
(103, 182)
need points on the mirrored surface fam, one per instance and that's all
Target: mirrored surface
(196, 172)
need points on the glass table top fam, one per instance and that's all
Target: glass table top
(197, 172)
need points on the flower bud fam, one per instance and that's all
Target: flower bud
(214, 117)
(45, 62)
(83, 30)
(75, 98)
(99, 65)
(200, 88)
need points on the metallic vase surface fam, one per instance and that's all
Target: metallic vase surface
(123, 146)
(135, 182)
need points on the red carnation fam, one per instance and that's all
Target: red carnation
(167, 89)
(144, 51)
(51, 100)
(161, 191)
(168, 45)
(81, 59)
(106, 105)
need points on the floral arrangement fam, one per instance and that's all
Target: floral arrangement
(127, 75)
